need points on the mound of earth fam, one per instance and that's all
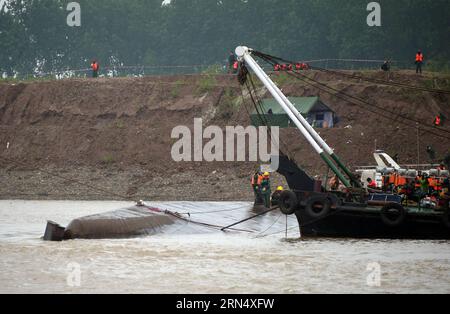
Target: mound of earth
(111, 138)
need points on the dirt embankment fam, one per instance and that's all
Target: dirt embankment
(111, 137)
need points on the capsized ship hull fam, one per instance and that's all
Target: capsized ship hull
(172, 218)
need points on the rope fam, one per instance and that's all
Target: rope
(249, 218)
(212, 212)
(339, 94)
(178, 216)
(301, 225)
(257, 103)
(383, 82)
(271, 226)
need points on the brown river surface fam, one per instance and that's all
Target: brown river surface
(195, 259)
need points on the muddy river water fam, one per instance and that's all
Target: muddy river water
(207, 261)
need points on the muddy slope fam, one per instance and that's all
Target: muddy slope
(116, 133)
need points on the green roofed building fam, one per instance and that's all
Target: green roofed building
(313, 109)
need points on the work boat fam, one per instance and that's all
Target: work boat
(352, 211)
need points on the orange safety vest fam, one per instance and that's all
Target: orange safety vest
(401, 181)
(419, 57)
(392, 179)
(94, 66)
(258, 180)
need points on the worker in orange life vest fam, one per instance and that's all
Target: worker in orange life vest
(232, 62)
(437, 121)
(419, 62)
(266, 190)
(256, 181)
(95, 68)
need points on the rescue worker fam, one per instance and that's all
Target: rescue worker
(334, 183)
(433, 185)
(235, 67)
(232, 63)
(371, 184)
(424, 186)
(437, 121)
(276, 196)
(265, 189)
(95, 68)
(419, 61)
(256, 185)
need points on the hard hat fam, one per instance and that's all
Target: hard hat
(280, 188)
(266, 174)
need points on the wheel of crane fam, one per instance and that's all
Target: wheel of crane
(288, 202)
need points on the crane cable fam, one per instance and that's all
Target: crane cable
(354, 76)
(257, 104)
(339, 94)
(383, 82)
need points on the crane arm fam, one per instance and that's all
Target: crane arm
(314, 139)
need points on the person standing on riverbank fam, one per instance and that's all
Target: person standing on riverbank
(95, 68)
(419, 61)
